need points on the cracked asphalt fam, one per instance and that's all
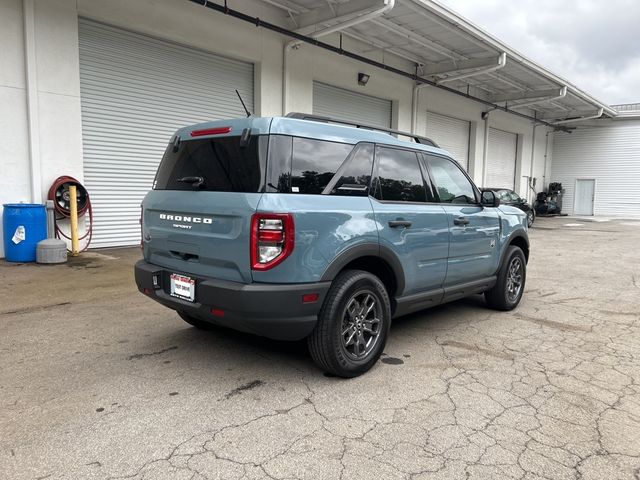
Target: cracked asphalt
(97, 381)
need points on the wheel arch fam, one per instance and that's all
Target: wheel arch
(520, 240)
(375, 259)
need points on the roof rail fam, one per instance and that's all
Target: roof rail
(390, 131)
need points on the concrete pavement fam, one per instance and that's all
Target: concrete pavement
(97, 381)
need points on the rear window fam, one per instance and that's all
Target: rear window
(214, 164)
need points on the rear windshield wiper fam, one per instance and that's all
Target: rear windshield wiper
(196, 182)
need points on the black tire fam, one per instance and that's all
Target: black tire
(196, 322)
(531, 217)
(504, 295)
(342, 319)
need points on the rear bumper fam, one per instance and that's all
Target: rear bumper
(270, 310)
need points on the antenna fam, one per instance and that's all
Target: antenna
(243, 105)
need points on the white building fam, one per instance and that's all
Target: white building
(598, 165)
(94, 89)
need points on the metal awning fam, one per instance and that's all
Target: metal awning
(448, 50)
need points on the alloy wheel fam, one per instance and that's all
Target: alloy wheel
(514, 279)
(361, 324)
(529, 219)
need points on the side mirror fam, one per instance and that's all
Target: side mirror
(490, 199)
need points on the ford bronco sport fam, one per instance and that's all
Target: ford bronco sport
(299, 227)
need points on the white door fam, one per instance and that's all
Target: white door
(501, 159)
(135, 92)
(585, 191)
(452, 134)
(335, 102)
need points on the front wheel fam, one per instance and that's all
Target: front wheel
(531, 216)
(507, 292)
(353, 325)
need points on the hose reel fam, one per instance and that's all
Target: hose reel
(59, 194)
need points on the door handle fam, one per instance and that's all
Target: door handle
(461, 221)
(400, 223)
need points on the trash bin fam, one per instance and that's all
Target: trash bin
(24, 225)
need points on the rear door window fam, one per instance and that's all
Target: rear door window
(399, 177)
(214, 164)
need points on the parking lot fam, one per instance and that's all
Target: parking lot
(97, 381)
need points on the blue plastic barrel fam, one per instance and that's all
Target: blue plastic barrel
(24, 225)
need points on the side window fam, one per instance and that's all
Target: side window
(279, 164)
(399, 177)
(314, 163)
(504, 195)
(451, 184)
(354, 176)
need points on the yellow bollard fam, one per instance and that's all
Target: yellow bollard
(73, 210)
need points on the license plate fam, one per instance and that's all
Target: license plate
(183, 287)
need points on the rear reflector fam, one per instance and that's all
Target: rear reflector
(211, 131)
(276, 236)
(147, 291)
(216, 312)
(310, 298)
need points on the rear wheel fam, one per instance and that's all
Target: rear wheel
(196, 322)
(507, 292)
(353, 325)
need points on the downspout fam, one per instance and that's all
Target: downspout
(28, 13)
(285, 75)
(387, 6)
(485, 151)
(546, 152)
(571, 120)
(414, 106)
(533, 150)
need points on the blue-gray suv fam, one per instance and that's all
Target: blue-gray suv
(301, 227)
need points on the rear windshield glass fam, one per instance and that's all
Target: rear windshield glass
(214, 164)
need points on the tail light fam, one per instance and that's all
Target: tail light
(272, 239)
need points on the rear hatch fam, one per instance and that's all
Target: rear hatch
(197, 218)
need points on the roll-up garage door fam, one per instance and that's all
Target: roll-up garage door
(356, 107)
(452, 134)
(135, 92)
(501, 159)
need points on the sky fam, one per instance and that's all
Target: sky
(594, 44)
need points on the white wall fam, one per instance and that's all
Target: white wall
(57, 98)
(14, 150)
(446, 103)
(58, 89)
(609, 153)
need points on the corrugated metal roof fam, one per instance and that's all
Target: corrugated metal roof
(428, 33)
(627, 109)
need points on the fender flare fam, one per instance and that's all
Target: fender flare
(367, 250)
(520, 233)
